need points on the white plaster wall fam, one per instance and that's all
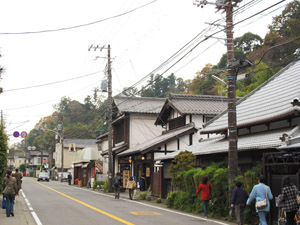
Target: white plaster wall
(142, 128)
(57, 155)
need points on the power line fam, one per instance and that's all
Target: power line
(77, 26)
(205, 39)
(51, 83)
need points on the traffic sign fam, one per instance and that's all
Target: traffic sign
(23, 134)
(16, 134)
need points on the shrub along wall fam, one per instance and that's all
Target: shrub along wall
(185, 199)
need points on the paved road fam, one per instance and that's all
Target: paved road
(57, 203)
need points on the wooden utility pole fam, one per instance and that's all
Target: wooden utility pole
(109, 99)
(110, 157)
(227, 6)
(231, 94)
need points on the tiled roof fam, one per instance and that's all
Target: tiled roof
(219, 144)
(270, 101)
(173, 134)
(139, 104)
(198, 104)
(192, 104)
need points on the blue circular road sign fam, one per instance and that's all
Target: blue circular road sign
(16, 134)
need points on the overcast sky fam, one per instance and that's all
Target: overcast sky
(43, 42)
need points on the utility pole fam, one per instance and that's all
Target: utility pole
(227, 6)
(109, 99)
(2, 118)
(231, 94)
(110, 157)
(61, 129)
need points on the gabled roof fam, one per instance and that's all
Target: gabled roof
(192, 104)
(138, 104)
(269, 102)
(265, 140)
(160, 140)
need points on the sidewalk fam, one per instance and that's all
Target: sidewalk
(22, 214)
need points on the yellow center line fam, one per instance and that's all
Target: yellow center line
(87, 205)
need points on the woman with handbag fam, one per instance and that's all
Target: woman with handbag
(262, 194)
(289, 200)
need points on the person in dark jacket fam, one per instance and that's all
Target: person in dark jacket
(10, 191)
(142, 183)
(239, 199)
(290, 206)
(18, 177)
(69, 178)
(205, 189)
(117, 185)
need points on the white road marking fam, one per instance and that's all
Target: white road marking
(35, 217)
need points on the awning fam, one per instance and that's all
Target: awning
(78, 165)
(85, 165)
(257, 141)
(159, 140)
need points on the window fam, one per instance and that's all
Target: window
(208, 118)
(177, 122)
(119, 133)
(191, 139)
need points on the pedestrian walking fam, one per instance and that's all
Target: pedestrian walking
(131, 185)
(205, 190)
(117, 185)
(142, 183)
(239, 199)
(10, 191)
(18, 177)
(69, 178)
(261, 192)
(289, 202)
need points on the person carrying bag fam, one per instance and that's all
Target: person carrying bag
(262, 194)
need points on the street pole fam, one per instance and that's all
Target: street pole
(109, 99)
(227, 6)
(110, 157)
(231, 94)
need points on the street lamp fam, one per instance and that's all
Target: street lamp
(29, 148)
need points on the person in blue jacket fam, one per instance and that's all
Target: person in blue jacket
(259, 193)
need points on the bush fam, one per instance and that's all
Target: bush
(97, 183)
(171, 199)
(158, 200)
(143, 195)
(217, 174)
(105, 186)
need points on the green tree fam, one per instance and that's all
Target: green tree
(3, 154)
(284, 27)
(248, 42)
(184, 161)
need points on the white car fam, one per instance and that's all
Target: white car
(43, 176)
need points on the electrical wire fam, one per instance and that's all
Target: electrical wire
(275, 46)
(205, 39)
(77, 26)
(51, 83)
